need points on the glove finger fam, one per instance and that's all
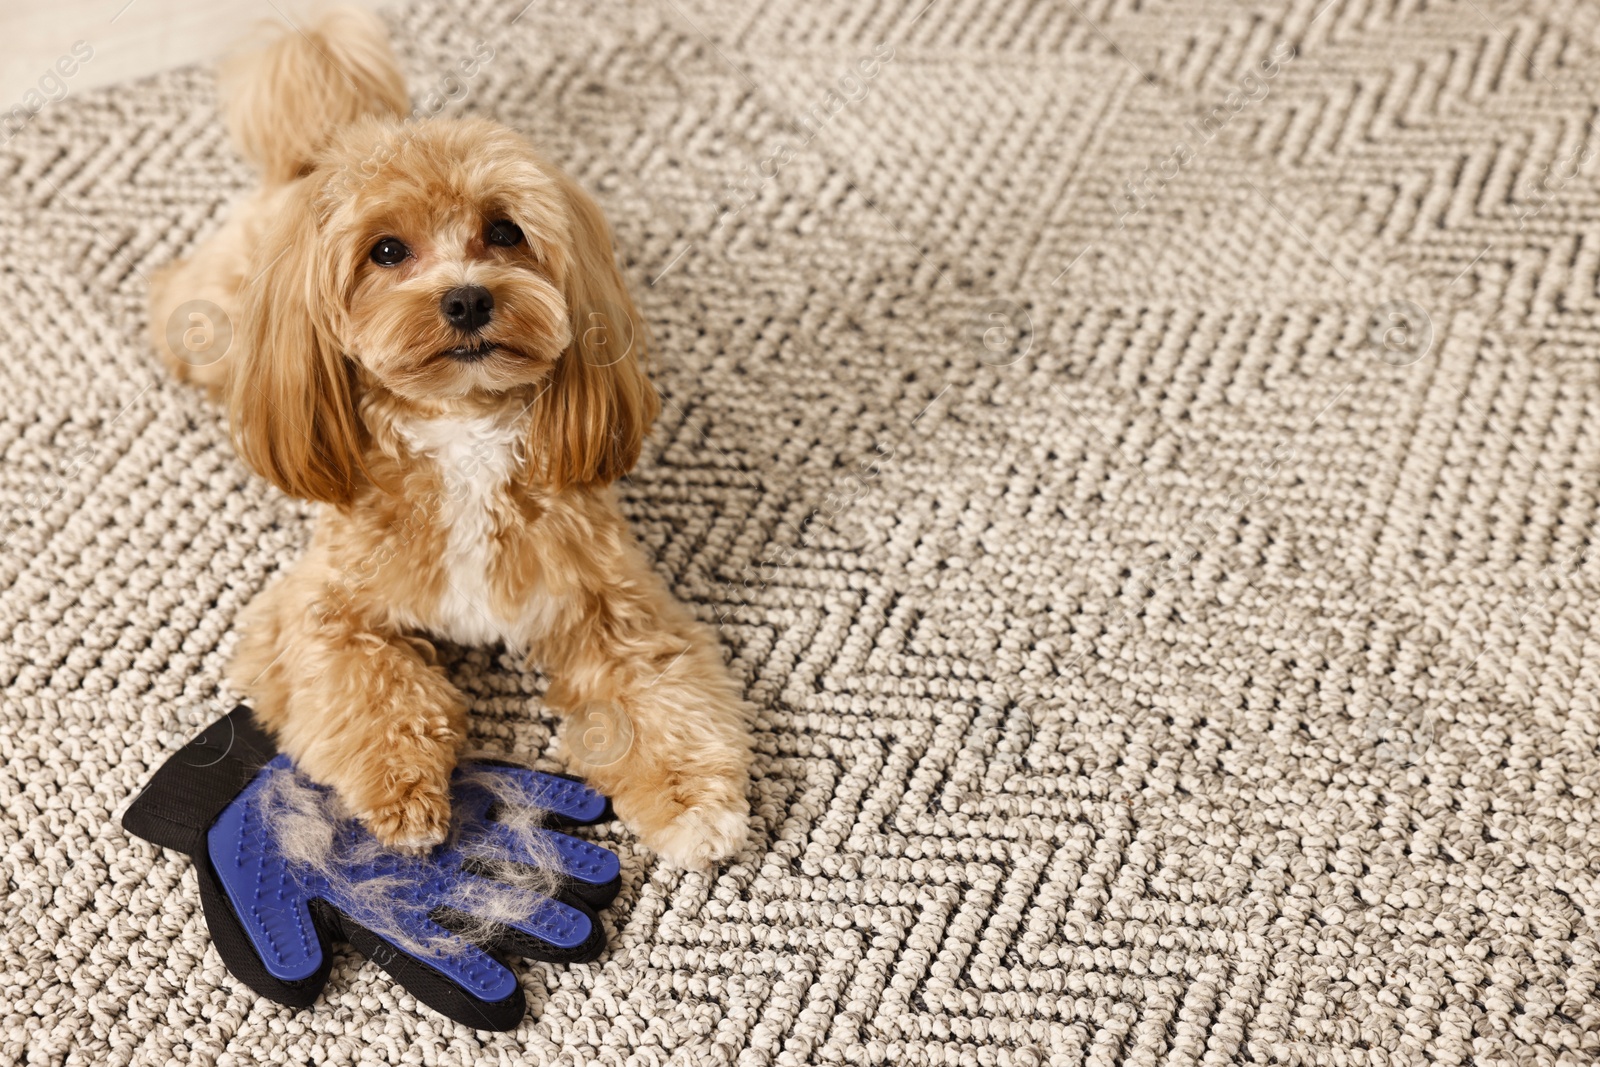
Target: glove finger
(251, 886)
(241, 948)
(590, 874)
(557, 931)
(568, 800)
(467, 985)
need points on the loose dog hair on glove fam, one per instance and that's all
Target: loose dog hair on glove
(284, 872)
(384, 899)
(431, 337)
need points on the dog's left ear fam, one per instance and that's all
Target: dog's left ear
(590, 422)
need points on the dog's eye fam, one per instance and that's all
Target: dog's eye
(390, 252)
(503, 232)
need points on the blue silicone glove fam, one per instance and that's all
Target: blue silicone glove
(282, 874)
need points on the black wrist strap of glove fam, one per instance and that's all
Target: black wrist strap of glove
(187, 793)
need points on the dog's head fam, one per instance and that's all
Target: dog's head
(441, 261)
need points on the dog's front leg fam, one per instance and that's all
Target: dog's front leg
(359, 709)
(653, 719)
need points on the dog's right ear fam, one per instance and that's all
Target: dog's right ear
(291, 403)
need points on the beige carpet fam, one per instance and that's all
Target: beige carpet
(1169, 605)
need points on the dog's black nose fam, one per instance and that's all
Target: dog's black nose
(468, 307)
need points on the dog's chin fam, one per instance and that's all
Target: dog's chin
(492, 368)
(485, 369)
(489, 361)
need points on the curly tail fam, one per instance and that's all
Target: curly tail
(284, 100)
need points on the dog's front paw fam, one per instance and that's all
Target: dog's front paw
(702, 836)
(414, 822)
(689, 824)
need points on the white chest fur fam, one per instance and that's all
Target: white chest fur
(476, 457)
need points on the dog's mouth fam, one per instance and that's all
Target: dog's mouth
(470, 353)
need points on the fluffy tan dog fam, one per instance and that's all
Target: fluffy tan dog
(431, 338)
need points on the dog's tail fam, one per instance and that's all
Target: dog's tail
(283, 101)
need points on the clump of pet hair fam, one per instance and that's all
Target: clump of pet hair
(395, 895)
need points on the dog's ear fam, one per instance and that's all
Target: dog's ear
(590, 421)
(291, 392)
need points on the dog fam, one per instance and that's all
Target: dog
(430, 337)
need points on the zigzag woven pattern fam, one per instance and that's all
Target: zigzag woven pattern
(1141, 458)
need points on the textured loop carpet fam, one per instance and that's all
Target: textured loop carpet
(1142, 460)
